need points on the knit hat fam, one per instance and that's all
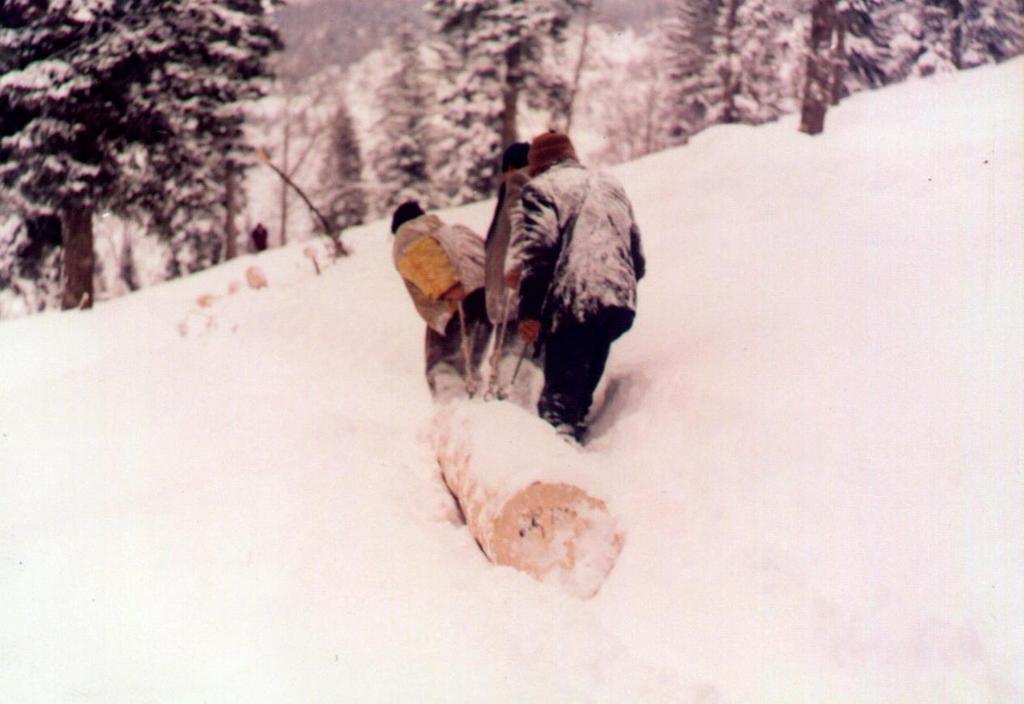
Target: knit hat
(409, 210)
(515, 156)
(549, 149)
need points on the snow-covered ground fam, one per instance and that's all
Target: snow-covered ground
(812, 437)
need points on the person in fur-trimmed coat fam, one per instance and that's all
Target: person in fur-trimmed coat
(576, 257)
(509, 378)
(442, 267)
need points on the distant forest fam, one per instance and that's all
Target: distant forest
(341, 32)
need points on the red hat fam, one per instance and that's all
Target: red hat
(549, 149)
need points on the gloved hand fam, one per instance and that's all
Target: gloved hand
(455, 293)
(529, 330)
(513, 278)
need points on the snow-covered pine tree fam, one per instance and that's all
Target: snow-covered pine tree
(765, 50)
(686, 50)
(470, 113)
(219, 59)
(30, 259)
(865, 55)
(470, 136)
(724, 66)
(341, 175)
(493, 53)
(42, 92)
(992, 31)
(942, 36)
(939, 33)
(126, 107)
(624, 94)
(902, 24)
(586, 8)
(729, 61)
(632, 119)
(400, 159)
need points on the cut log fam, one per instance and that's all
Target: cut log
(255, 277)
(520, 489)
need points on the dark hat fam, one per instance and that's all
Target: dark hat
(409, 210)
(515, 156)
(549, 149)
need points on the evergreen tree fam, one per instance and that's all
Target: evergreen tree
(765, 52)
(938, 35)
(586, 7)
(470, 143)
(729, 61)
(30, 263)
(126, 106)
(687, 51)
(401, 158)
(629, 100)
(493, 52)
(992, 31)
(341, 174)
(866, 57)
(724, 66)
(942, 36)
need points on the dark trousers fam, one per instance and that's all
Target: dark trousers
(574, 360)
(445, 359)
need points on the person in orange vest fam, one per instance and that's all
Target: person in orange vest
(442, 267)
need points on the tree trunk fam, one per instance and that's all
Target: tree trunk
(581, 61)
(286, 180)
(817, 88)
(839, 62)
(528, 511)
(956, 35)
(510, 95)
(127, 263)
(79, 258)
(730, 114)
(650, 122)
(285, 166)
(230, 232)
(509, 128)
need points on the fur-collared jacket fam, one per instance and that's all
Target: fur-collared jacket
(576, 244)
(432, 256)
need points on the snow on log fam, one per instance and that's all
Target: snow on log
(522, 493)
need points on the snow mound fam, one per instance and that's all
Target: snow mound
(811, 437)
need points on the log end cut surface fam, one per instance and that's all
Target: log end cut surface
(557, 532)
(524, 496)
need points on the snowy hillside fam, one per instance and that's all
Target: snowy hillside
(812, 439)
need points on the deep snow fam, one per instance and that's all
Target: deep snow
(812, 438)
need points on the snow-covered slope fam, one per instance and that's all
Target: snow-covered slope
(812, 438)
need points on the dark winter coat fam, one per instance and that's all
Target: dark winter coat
(577, 246)
(496, 247)
(259, 238)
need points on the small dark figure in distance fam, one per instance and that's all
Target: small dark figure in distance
(259, 238)
(576, 256)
